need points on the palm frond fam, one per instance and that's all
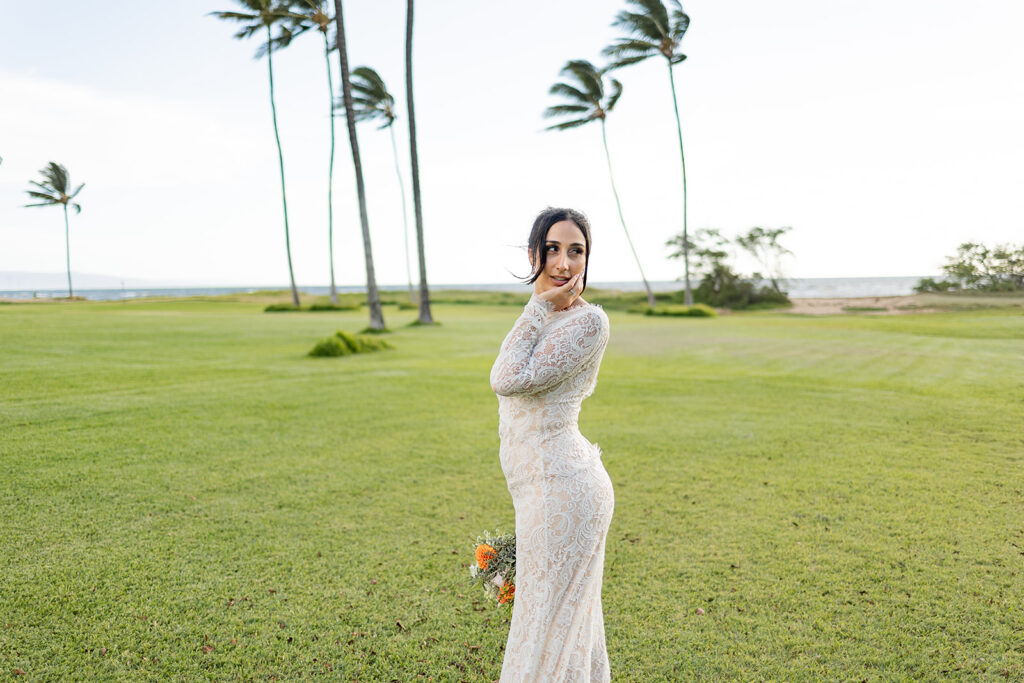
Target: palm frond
(29, 206)
(234, 16)
(680, 22)
(569, 124)
(568, 91)
(626, 61)
(77, 208)
(57, 177)
(641, 25)
(655, 9)
(676, 59)
(77, 190)
(627, 47)
(559, 109)
(588, 76)
(616, 93)
(50, 199)
(45, 188)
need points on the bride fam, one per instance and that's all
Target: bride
(561, 492)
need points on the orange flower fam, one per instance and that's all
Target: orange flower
(506, 593)
(484, 553)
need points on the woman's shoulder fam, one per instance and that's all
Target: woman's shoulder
(593, 314)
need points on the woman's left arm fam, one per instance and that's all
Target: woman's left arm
(531, 362)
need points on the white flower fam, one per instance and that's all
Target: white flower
(498, 581)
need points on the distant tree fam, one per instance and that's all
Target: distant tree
(310, 15)
(763, 245)
(651, 31)
(372, 101)
(372, 295)
(588, 98)
(263, 16)
(53, 191)
(720, 285)
(426, 317)
(979, 267)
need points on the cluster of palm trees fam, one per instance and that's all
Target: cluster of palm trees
(363, 97)
(651, 29)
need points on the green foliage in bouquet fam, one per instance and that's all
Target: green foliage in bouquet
(494, 567)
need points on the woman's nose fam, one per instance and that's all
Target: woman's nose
(562, 263)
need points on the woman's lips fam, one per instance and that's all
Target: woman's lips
(559, 280)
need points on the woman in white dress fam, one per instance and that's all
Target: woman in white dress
(561, 492)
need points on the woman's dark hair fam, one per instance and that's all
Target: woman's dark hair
(539, 236)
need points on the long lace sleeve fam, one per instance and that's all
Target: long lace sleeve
(530, 362)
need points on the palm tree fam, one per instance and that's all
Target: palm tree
(425, 315)
(587, 99)
(371, 100)
(53, 191)
(264, 15)
(652, 30)
(372, 296)
(314, 16)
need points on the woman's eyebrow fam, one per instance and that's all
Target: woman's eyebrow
(573, 244)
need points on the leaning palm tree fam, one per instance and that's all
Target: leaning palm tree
(425, 316)
(263, 16)
(587, 99)
(53, 190)
(312, 14)
(372, 295)
(652, 30)
(372, 101)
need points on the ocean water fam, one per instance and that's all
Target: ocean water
(798, 288)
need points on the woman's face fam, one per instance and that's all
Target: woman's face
(566, 255)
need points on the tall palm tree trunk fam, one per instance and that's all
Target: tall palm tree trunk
(688, 293)
(618, 205)
(425, 316)
(405, 214)
(67, 250)
(372, 295)
(330, 171)
(280, 163)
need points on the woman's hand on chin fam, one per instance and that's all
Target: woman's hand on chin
(561, 297)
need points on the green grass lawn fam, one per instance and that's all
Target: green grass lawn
(185, 495)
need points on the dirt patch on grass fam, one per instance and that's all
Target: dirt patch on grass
(872, 305)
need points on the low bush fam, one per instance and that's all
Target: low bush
(345, 344)
(334, 307)
(927, 284)
(332, 346)
(695, 311)
(281, 308)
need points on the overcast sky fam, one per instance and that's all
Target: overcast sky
(884, 133)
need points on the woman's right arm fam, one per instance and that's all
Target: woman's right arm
(530, 362)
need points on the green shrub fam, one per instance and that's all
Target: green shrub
(927, 284)
(406, 306)
(370, 330)
(345, 343)
(281, 308)
(334, 307)
(332, 346)
(695, 311)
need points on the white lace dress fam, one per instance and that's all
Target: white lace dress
(562, 495)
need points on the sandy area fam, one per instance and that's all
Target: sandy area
(883, 305)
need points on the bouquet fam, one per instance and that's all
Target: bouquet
(495, 566)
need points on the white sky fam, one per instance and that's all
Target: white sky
(884, 133)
